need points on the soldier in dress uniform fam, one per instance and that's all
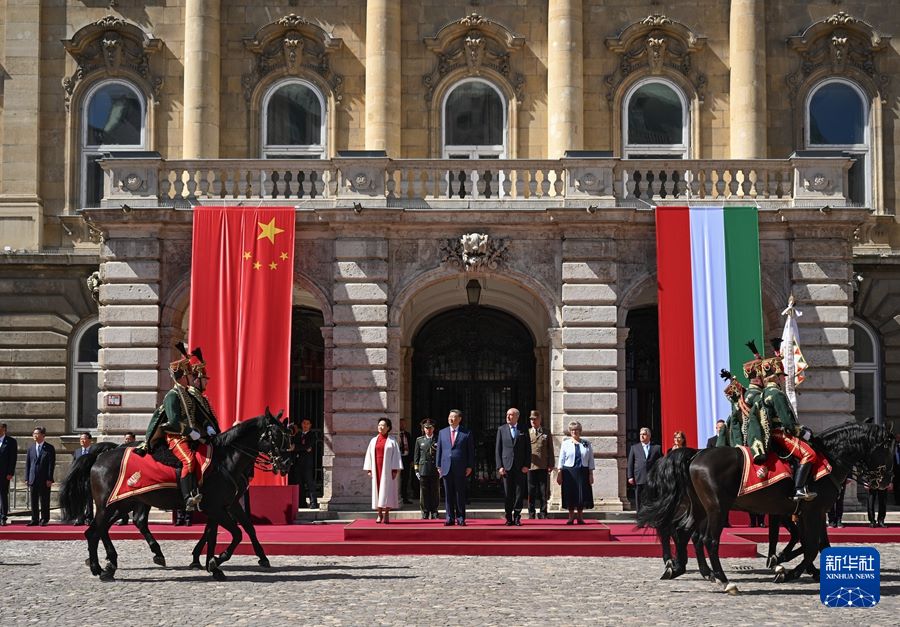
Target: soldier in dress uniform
(744, 426)
(175, 422)
(426, 470)
(786, 431)
(205, 416)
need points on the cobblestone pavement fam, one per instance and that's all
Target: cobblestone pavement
(50, 584)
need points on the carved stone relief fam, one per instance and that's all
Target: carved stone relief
(474, 251)
(840, 44)
(473, 44)
(655, 44)
(292, 46)
(114, 47)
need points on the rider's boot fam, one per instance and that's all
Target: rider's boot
(800, 479)
(190, 492)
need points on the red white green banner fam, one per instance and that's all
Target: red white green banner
(242, 273)
(709, 306)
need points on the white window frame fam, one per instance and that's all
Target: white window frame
(873, 367)
(461, 151)
(298, 151)
(91, 150)
(683, 150)
(80, 367)
(864, 148)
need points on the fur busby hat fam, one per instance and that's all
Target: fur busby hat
(751, 368)
(198, 365)
(181, 366)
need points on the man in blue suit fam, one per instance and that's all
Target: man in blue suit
(39, 465)
(455, 461)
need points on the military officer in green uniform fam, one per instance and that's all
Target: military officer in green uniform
(204, 416)
(744, 427)
(426, 470)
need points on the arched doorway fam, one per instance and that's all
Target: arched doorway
(642, 396)
(308, 376)
(481, 361)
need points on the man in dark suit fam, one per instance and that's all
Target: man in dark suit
(641, 458)
(455, 459)
(513, 459)
(306, 445)
(9, 451)
(720, 426)
(84, 447)
(404, 439)
(39, 464)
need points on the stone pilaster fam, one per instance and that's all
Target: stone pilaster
(21, 209)
(360, 391)
(747, 87)
(383, 76)
(202, 60)
(328, 440)
(820, 274)
(129, 336)
(565, 80)
(590, 358)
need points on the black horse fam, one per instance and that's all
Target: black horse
(140, 514)
(235, 452)
(703, 488)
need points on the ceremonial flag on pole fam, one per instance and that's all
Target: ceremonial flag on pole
(242, 273)
(709, 306)
(792, 358)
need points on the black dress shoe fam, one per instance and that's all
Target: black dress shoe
(871, 524)
(314, 506)
(407, 502)
(461, 523)
(44, 523)
(839, 524)
(508, 523)
(517, 522)
(31, 523)
(78, 522)
(426, 516)
(531, 515)
(881, 523)
(2, 522)
(579, 521)
(449, 523)
(434, 515)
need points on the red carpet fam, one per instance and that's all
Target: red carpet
(479, 537)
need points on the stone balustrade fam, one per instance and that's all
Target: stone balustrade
(444, 183)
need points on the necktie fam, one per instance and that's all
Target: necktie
(84, 451)
(646, 450)
(452, 437)
(513, 432)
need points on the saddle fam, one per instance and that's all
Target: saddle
(160, 470)
(774, 469)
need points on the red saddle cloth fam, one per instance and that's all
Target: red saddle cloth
(141, 473)
(759, 476)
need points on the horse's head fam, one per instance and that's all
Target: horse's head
(275, 443)
(877, 469)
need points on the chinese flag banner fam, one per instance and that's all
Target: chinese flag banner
(242, 273)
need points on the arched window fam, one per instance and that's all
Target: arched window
(866, 372)
(293, 121)
(656, 121)
(837, 119)
(474, 121)
(114, 118)
(84, 386)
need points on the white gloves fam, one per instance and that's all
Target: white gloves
(210, 431)
(418, 476)
(194, 435)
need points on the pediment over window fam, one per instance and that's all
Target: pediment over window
(114, 47)
(655, 45)
(840, 45)
(474, 46)
(293, 46)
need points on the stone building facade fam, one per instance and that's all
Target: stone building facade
(575, 118)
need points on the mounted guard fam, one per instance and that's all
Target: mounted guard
(743, 427)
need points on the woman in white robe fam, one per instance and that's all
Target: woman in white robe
(383, 455)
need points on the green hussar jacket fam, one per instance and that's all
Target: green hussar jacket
(203, 412)
(779, 409)
(170, 416)
(736, 425)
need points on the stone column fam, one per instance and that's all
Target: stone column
(383, 76)
(590, 359)
(129, 335)
(747, 58)
(21, 209)
(201, 79)
(565, 77)
(360, 388)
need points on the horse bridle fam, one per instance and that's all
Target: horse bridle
(872, 476)
(265, 461)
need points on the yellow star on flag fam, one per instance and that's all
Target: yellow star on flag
(269, 230)
(273, 266)
(284, 256)
(257, 265)
(246, 254)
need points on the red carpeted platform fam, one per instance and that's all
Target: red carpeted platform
(479, 537)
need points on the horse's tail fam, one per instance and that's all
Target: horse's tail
(665, 500)
(75, 490)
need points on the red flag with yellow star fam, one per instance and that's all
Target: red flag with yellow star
(242, 273)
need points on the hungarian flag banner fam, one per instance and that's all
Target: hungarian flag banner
(710, 304)
(242, 273)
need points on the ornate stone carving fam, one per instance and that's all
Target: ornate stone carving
(113, 47)
(838, 45)
(818, 183)
(474, 44)
(655, 44)
(474, 251)
(93, 285)
(292, 46)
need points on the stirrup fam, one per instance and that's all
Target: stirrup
(802, 495)
(192, 502)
